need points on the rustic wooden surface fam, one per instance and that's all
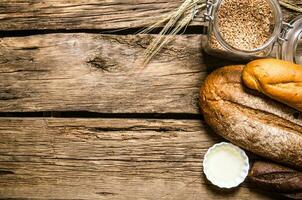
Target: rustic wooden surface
(100, 73)
(111, 128)
(89, 14)
(107, 159)
(103, 68)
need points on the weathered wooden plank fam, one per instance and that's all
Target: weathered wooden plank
(89, 14)
(100, 73)
(107, 159)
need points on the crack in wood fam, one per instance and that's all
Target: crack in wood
(106, 193)
(25, 70)
(135, 128)
(6, 172)
(28, 48)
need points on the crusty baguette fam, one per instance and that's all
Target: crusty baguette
(277, 79)
(276, 178)
(249, 119)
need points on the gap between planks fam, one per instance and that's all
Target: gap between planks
(83, 114)
(190, 30)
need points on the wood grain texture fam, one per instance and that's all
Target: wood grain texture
(78, 14)
(107, 159)
(89, 14)
(100, 73)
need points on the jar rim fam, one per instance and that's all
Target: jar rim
(274, 36)
(287, 50)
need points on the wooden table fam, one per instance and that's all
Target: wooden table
(81, 118)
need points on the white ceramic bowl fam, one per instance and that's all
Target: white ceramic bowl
(244, 167)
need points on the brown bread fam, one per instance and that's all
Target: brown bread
(249, 119)
(277, 178)
(278, 79)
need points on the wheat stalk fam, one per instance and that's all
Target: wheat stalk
(175, 22)
(290, 6)
(178, 20)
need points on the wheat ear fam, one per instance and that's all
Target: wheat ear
(174, 23)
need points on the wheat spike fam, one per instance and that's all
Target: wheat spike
(175, 22)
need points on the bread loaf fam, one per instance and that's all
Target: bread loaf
(277, 79)
(276, 178)
(250, 119)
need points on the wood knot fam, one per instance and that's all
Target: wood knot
(102, 64)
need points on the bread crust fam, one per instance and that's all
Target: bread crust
(276, 178)
(278, 79)
(249, 119)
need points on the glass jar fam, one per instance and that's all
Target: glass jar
(233, 41)
(290, 46)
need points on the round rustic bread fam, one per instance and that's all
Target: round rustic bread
(250, 119)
